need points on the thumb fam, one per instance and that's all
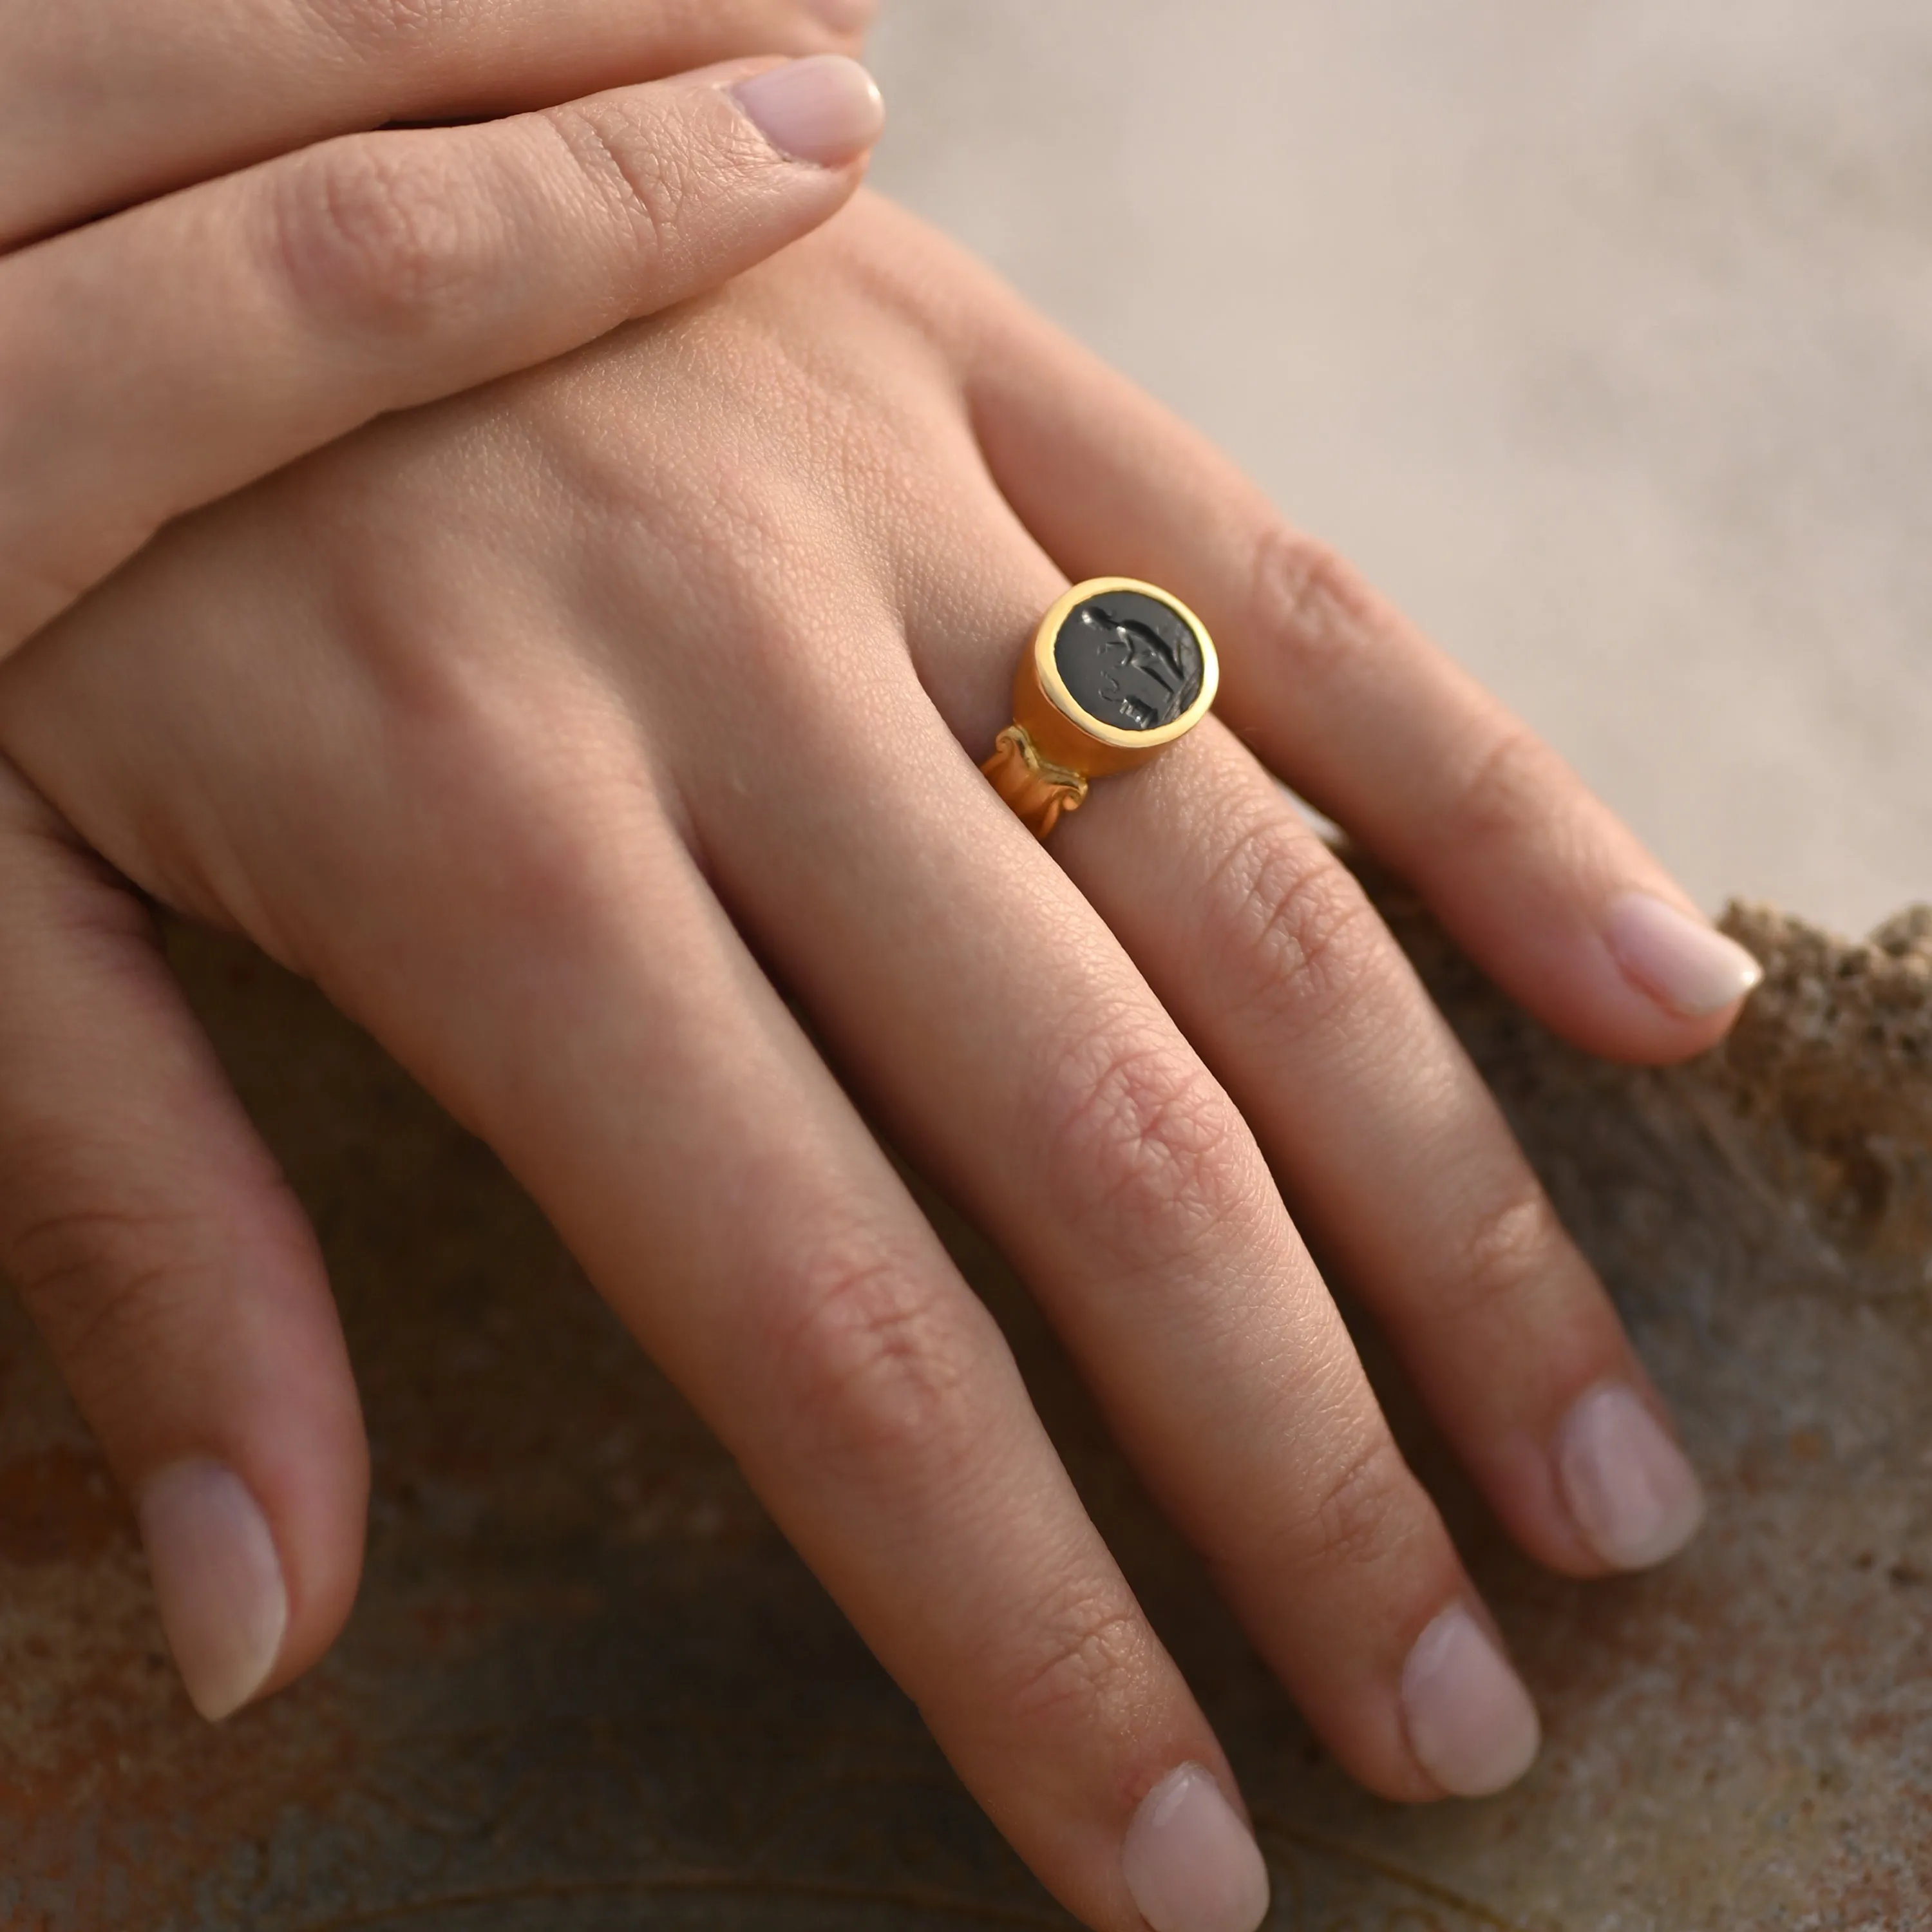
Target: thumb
(172, 1274)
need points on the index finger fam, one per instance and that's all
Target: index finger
(151, 364)
(105, 103)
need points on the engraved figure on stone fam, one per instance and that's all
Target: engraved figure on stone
(1139, 675)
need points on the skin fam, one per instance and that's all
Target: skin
(279, 275)
(109, 103)
(554, 728)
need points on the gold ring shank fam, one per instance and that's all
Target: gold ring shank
(1043, 761)
(1038, 791)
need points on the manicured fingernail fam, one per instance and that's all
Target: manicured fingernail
(1635, 1498)
(1680, 961)
(1471, 1723)
(846, 16)
(1191, 1864)
(218, 1582)
(825, 110)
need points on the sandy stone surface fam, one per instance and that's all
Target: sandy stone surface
(1600, 330)
(588, 1690)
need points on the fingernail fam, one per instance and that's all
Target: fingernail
(846, 16)
(218, 1582)
(1635, 1498)
(1681, 962)
(1191, 1864)
(1471, 1723)
(826, 109)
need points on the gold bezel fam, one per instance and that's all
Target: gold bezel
(1047, 668)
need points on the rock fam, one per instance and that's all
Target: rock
(588, 1687)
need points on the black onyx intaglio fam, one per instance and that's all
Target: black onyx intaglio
(1129, 661)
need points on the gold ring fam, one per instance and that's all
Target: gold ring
(1117, 671)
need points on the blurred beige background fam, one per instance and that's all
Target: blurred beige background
(1599, 331)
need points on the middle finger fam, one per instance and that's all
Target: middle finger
(1393, 1151)
(1013, 1046)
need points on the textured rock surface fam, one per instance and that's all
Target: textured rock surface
(588, 1689)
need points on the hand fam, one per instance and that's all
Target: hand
(154, 361)
(597, 696)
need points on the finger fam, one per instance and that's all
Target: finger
(637, 1071)
(103, 104)
(1393, 1155)
(1541, 884)
(154, 362)
(646, 1084)
(1021, 1058)
(173, 1276)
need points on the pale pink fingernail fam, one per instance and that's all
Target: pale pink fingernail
(1191, 1864)
(218, 1582)
(1471, 1723)
(1680, 961)
(846, 16)
(825, 110)
(1635, 1498)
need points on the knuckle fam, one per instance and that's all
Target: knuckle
(870, 1349)
(1087, 1666)
(1510, 1251)
(848, 22)
(1144, 1144)
(1311, 940)
(1309, 606)
(379, 28)
(1506, 788)
(647, 177)
(96, 1279)
(1362, 1519)
(371, 231)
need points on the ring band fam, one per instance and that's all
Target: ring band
(1117, 672)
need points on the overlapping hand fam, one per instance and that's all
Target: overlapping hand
(557, 728)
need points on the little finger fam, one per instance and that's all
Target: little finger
(1542, 885)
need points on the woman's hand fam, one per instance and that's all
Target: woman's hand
(552, 729)
(305, 274)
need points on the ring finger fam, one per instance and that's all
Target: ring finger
(1393, 1152)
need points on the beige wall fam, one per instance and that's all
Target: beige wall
(1600, 331)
